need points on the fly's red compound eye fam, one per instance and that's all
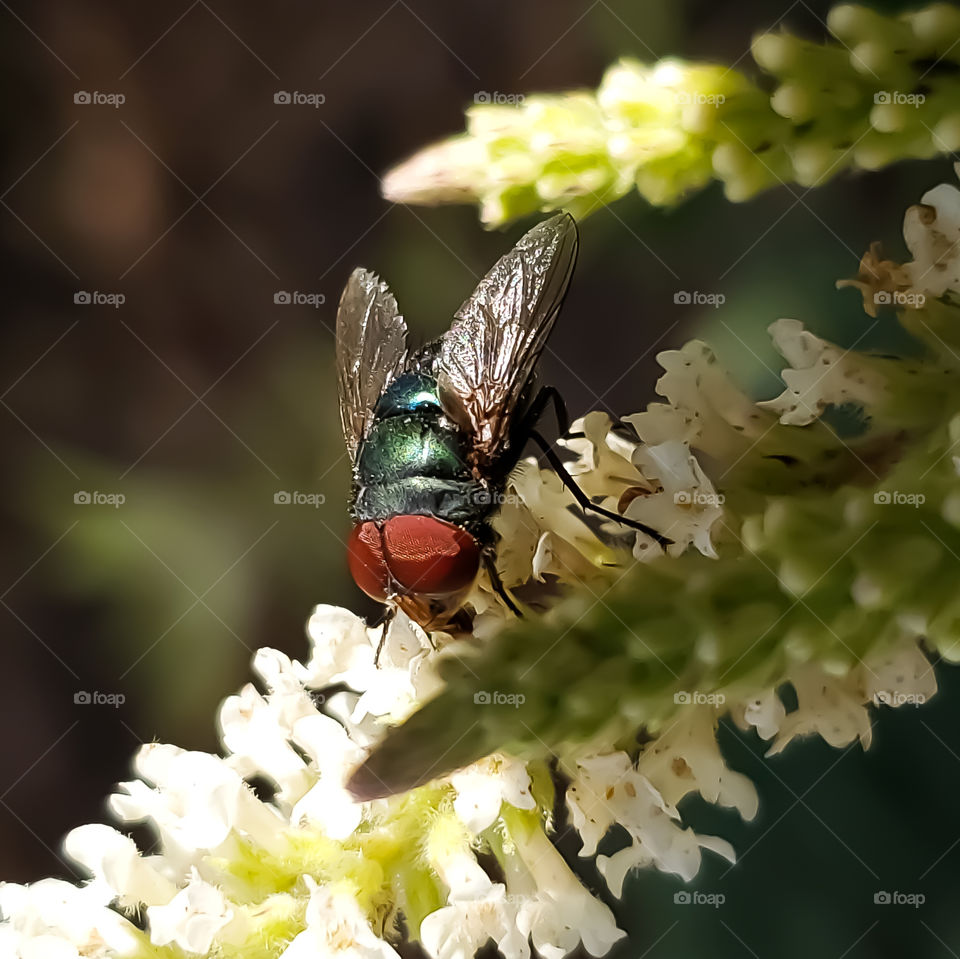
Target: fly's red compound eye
(366, 561)
(429, 556)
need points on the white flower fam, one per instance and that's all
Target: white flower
(608, 790)
(114, 860)
(333, 755)
(197, 800)
(820, 374)
(477, 910)
(403, 676)
(560, 913)
(391, 673)
(254, 732)
(191, 919)
(336, 929)
(661, 484)
(828, 706)
(458, 930)
(53, 919)
(685, 508)
(932, 233)
(484, 786)
(340, 646)
(899, 676)
(686, 758)
(549, 507)
(705, 408)
(765, 713)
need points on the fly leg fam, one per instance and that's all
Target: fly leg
(545, 396)
(538, 407)
(497, 583)
(388, 618)
(578, 494)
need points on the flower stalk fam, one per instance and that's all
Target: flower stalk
(884, 89)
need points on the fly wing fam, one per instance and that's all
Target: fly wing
(487, 357)
(371, 347)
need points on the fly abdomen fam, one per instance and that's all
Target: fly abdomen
(411, 445)
(463, 502)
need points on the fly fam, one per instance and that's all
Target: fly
(433, 434)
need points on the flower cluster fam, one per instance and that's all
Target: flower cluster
(886, 90)
(786, 575)
(404, 785)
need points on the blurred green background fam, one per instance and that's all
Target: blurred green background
(199, 397)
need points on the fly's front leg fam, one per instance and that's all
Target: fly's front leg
(578, 494)
(527, 430)
(497, 583)
(545, 396)
(388, 617)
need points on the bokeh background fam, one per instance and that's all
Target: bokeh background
(200, 397)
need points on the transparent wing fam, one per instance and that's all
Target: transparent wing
(371, 346)
(488, 356)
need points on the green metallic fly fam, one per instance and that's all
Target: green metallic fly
(435, 433)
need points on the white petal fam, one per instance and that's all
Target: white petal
(336, 929)
(114, 858)
(191, 919)
(340, 644)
